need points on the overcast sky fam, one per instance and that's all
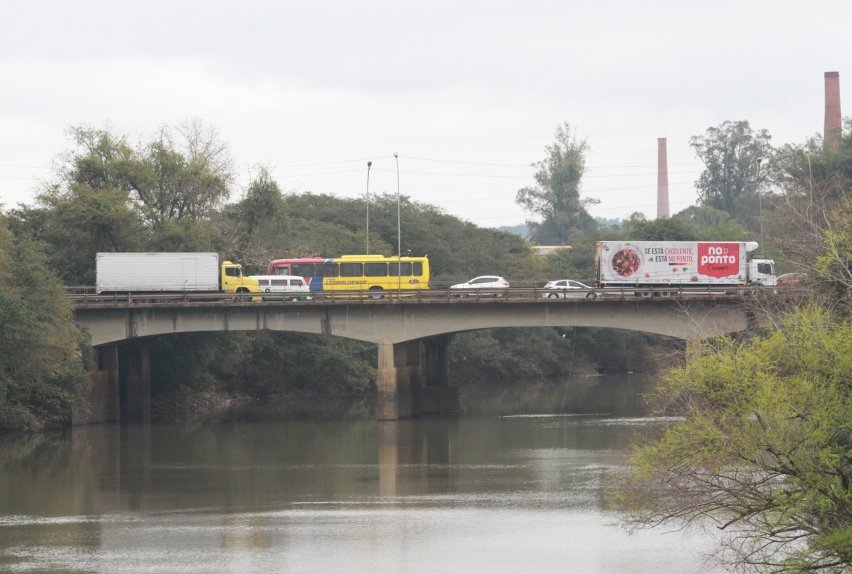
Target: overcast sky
(468, 93)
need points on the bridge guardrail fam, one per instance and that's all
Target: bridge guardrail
(82, 296)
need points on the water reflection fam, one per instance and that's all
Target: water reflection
(518, 492)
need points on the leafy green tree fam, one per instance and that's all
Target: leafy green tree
(78, 223)
(182, 173)
(816, 186)
(834, 266)
(556, 198)
(733, 155)
(41, 349)
(763, 450)
(664, 229)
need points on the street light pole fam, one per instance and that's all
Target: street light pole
(760, 204)
(807, 153)
(398, 232)
(369, 165)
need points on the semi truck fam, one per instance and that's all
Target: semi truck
(169, 272)
(653, 264)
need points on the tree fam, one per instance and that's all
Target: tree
(664, 229)
(557, 197)
(815, 204)
(183, 173)
(77, 224)
(763, 452)
(733, 155)
(41, 349)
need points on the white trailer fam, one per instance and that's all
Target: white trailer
(681, 263)
(154, 272)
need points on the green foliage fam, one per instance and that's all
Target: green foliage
(664, 229)
(41, 364)
(557, 196)
(77, 224)
(764, 450)
(500, 355)
(262, 365)
(732, 154)
(834, 265)
(497, 356)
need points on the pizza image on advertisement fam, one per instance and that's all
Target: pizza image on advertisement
(626, 261)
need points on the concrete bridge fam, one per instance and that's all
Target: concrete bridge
(412, 336)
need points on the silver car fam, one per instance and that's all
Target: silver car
(568, 289)
(484, 285)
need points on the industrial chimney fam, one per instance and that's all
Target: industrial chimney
(662, 179)
(833, 127)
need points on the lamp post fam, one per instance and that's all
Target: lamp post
(807, 152)
(759, 204)
(398, 232)
(369, 165)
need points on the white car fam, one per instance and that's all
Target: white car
(568, 289)
(283, 287)
(484, 285)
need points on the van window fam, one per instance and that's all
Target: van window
(279, 282)
(263, 282)
(297, 282)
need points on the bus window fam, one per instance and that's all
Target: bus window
(405, 266)
(418, 268)
(376, 269)
(327, 270)
(302, 269)
(351, 270)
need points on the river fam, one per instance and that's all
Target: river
(504, 487)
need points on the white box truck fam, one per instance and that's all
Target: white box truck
(170, 272)
(680, 263)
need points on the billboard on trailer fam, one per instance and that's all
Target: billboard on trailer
(672, 262)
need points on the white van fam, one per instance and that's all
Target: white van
(283, 287)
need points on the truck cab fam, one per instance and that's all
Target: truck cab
(232, 279)
(762, 272)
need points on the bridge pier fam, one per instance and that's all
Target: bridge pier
(103, 401)
(121, 386)
(413, 379)
(136, 380)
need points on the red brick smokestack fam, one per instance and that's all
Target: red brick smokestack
(662, 179)
(833, 127)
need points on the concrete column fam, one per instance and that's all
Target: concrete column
(138, 381)
(413, 379)
(398, 373)
(102, 405)
(437, 396)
